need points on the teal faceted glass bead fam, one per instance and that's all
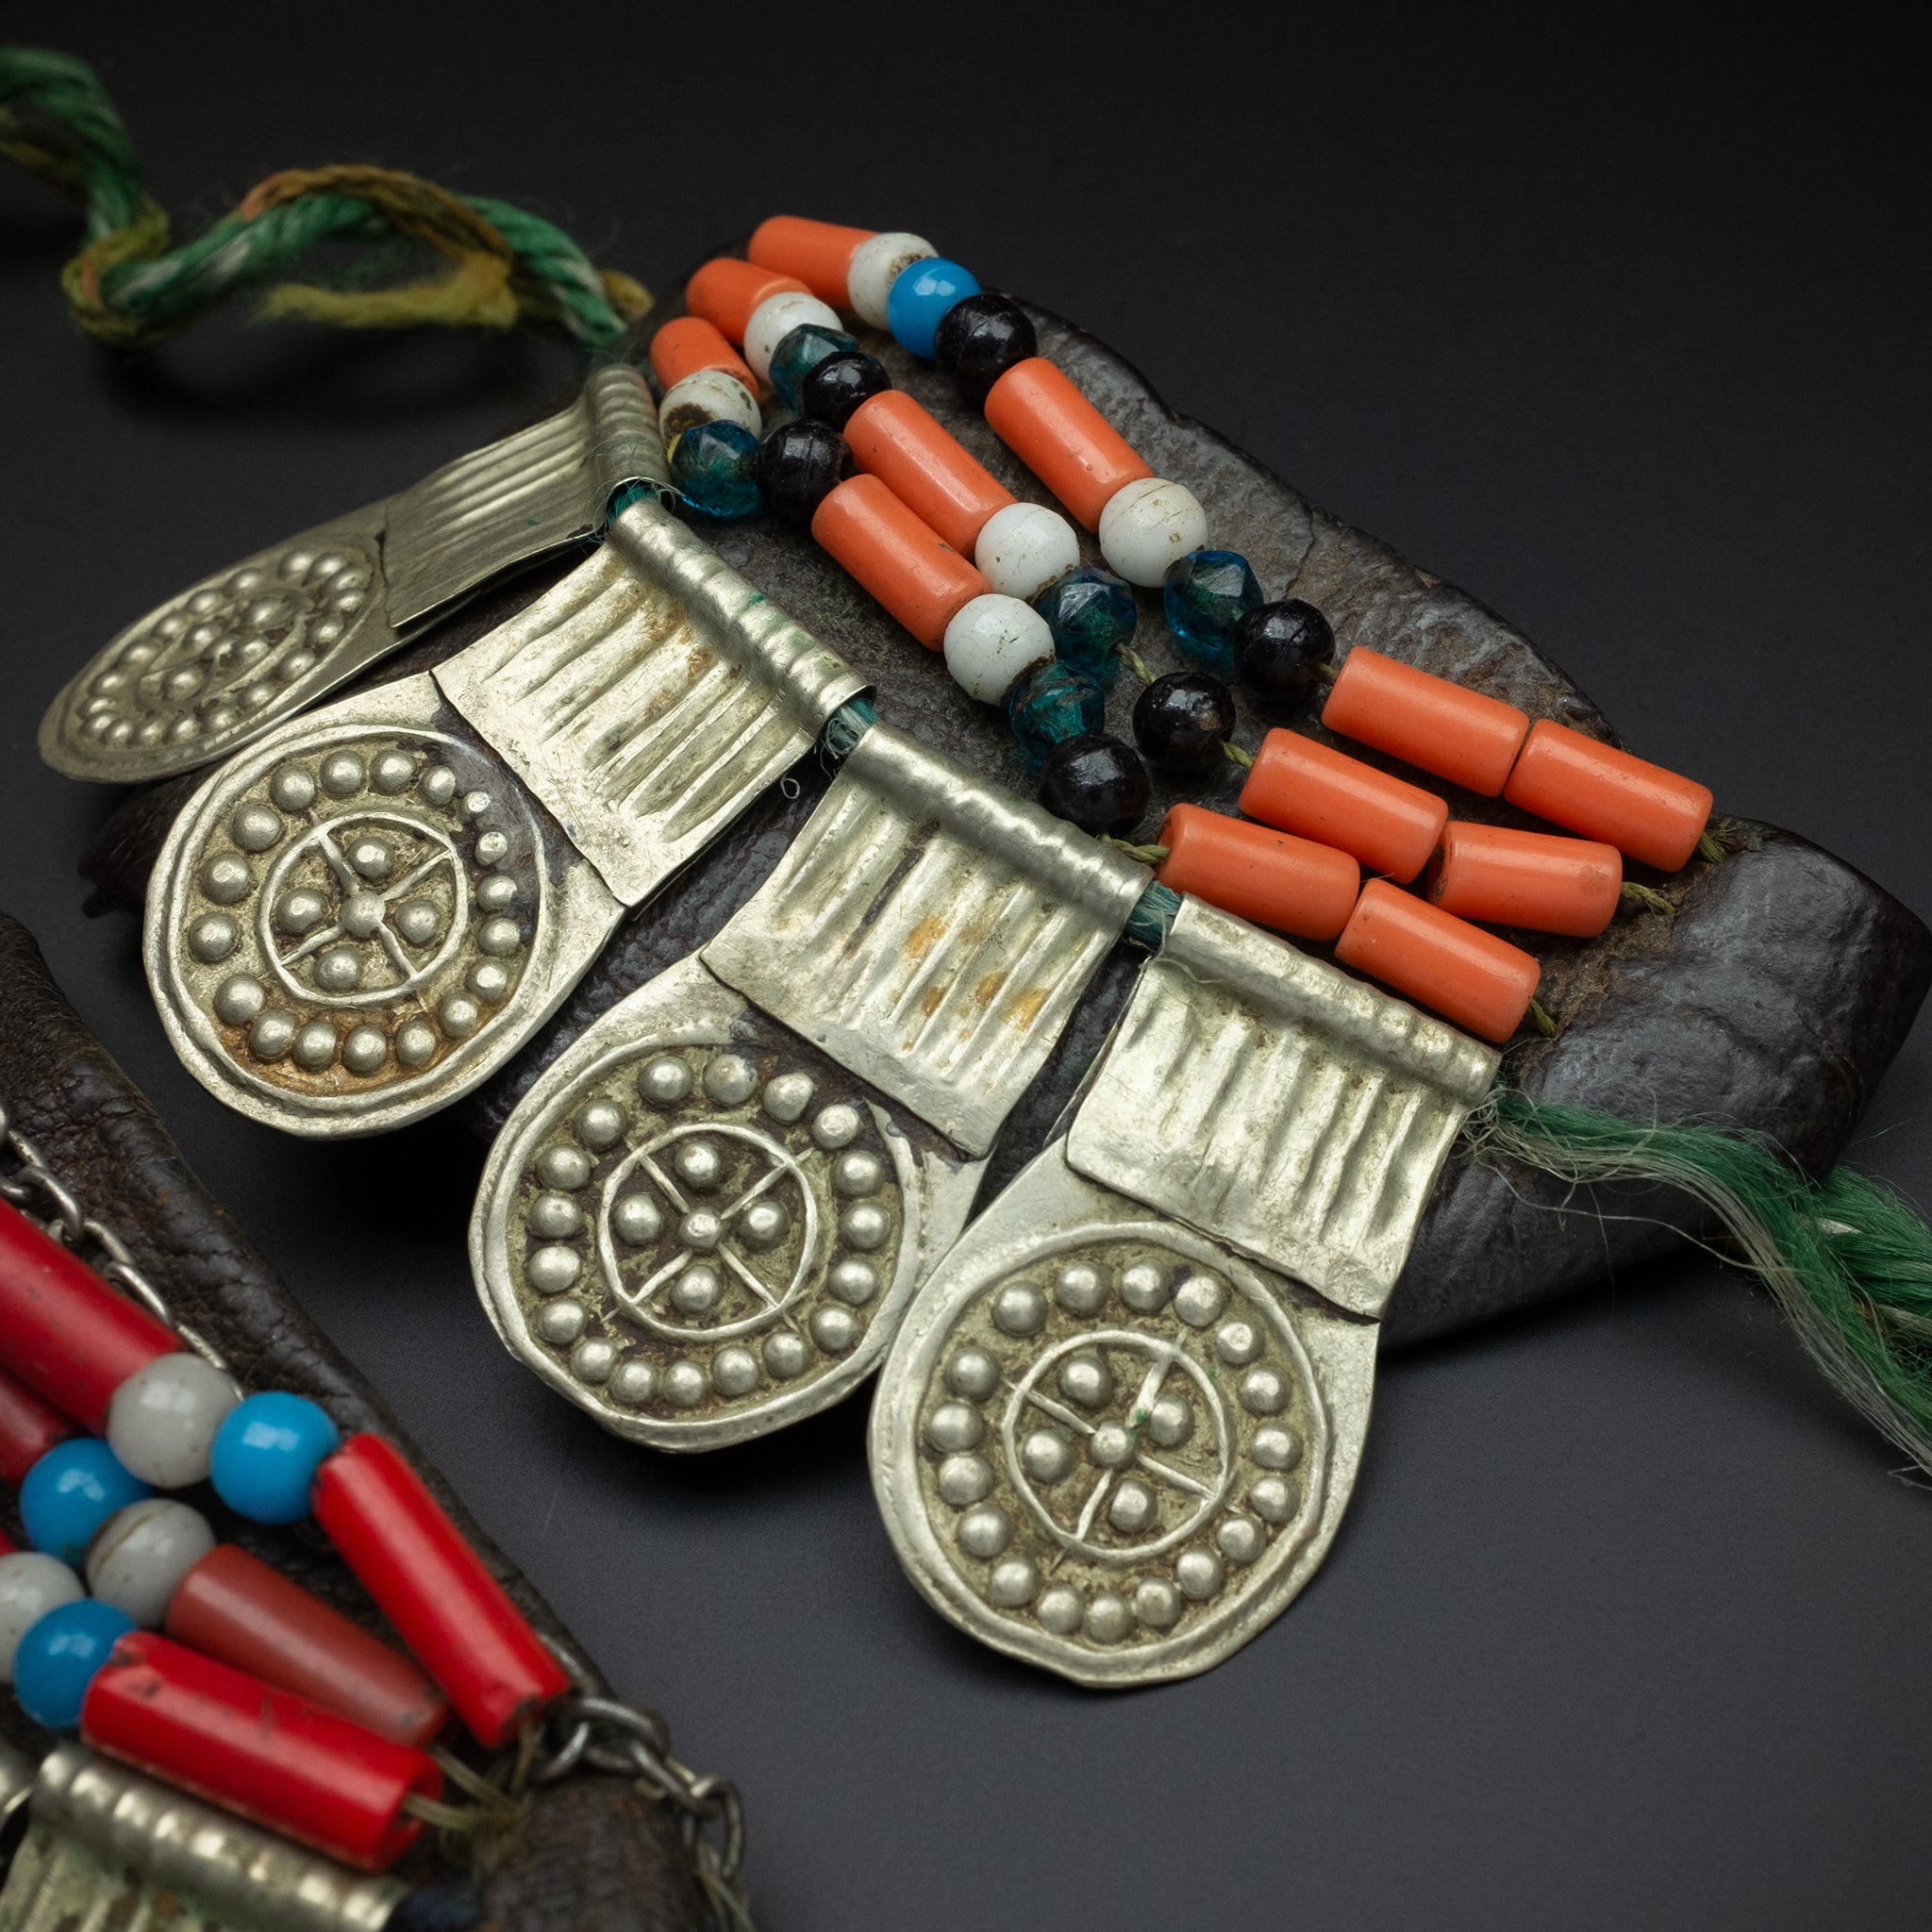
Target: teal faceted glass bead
(715, 469)
(1206, 594)
(799, 353)
(1091, 614)
(1050, 705)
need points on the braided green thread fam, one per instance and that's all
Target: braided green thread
(502, 265)
(1152, 917)
(1847, 1259)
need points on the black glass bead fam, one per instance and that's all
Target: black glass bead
(980, 339)
(839, 385)
(1182, 719)
(799, 465)
(1096, 781)
(1277, 646)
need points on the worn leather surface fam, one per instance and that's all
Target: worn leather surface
(1774, 1000)
(589, 1856)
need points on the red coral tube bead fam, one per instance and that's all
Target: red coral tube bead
(1044, 420)
(1305, 788)
(817, 253)
(927, 468)
(1537, 880)
(432, 1586)
(63, 1331)
(1470, 976)
(28, 1428)
(230, 1738)
(689, 343)
(920, 578)
(1270, 877)
(1427, 721)
(1604, 793)
(234, 1608)
(725, 290)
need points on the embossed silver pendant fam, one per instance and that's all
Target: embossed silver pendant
(231, 657)
(359, 918)
(1118, 1429)
(706, 1219)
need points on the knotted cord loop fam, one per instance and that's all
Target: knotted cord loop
(130, 285)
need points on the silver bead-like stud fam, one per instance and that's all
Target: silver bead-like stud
(416, 1043)
(735, 1371)
(293, 788)
(1143, 1287)
(865, 1227)
(255, 827)
(564, 1167)
(552, 1270)
(1080, 1288)
(854, 1281)
(555, 1217)
(341, 774)
(212, 938)
(1019, 1308)
(835, 1126)
(664, 1080)
(833, 1329)
(239, 999)
(599, 1124)
(954, 1426)
(985, 1532)
(315, 1046)
(365, 1050)
(1199, 1300)
(788, 1096)
(730, 1079)
(785, 1356)
(974, 1373)
(636, 1219)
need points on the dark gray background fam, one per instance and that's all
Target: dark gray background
(1628, 1625)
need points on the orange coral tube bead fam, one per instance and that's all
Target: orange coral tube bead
(1273, 878)
(1458, 735)
(1526, 878)
(1301, 786)
(1044, 420)
(904, 562)
(1640, 809)
(817, 253)
(690, 343)
(1467, 976)
(927, 468)
(725, 290)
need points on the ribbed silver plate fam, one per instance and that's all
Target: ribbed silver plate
(231, 657)
(931, 932)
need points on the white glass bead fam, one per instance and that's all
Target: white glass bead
(875, 265)
(775, 318)
(1023, 548)
(1147, 525)
(141, 1552)
(162, 1420)
(708, 395)
(31, 1584)
(991, 642)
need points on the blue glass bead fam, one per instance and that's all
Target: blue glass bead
(71, 1491)
(920, 299)
(1206, 594)
(1051, 704)
(1091, 614)
(715, 468)
(58, 1657)
(800, 352)
(266, 1456)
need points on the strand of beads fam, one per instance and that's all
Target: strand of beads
(191, 1659)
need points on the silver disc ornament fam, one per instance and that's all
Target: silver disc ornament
(705, 1230)
(1109, 1445)
(218, 665)
(348, 918)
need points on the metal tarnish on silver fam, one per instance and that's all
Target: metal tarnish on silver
(931, 932)
(1116, 1434)
(214, 668)
(109, 1847)
(706, 1219)
(1293, 1110)
(358, 919)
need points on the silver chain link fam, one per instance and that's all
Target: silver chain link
(598, 1732)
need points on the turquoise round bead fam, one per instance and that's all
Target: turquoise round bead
(1206, 594)
(800, 352)
(266, 1456)
(715, 468)
(71, 1491)
(58, 1655)
(1090, 613)
(921, 299)
(1051, 704)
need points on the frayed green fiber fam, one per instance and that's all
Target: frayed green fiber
(1848, 1260)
